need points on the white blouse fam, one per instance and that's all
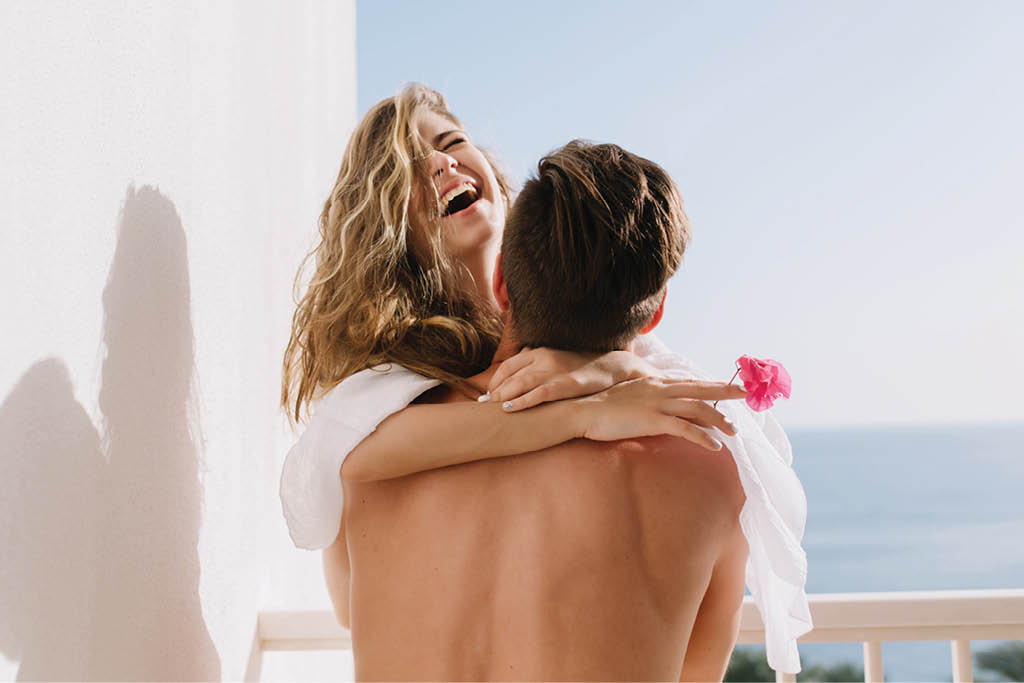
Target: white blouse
(772, 517)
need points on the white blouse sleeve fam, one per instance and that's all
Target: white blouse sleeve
(772, 517)
(311, 493)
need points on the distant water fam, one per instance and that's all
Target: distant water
(911, 508)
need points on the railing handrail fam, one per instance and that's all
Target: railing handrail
(957, 616)
(906, 615)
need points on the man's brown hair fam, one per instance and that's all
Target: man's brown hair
(588, 247)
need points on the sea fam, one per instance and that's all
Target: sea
(909, 508)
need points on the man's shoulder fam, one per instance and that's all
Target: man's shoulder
(684, 465)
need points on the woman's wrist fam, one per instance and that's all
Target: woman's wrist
(578, 415)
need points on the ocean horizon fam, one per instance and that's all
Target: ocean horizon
(907, 508)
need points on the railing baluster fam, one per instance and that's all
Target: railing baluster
(962, 670)
(873, 662)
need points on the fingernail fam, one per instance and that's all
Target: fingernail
(484, 398)
(717, 443)
(507, 405)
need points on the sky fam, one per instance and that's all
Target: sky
(853, 172)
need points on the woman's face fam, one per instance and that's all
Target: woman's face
(471, 206)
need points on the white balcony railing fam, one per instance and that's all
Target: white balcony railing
(869, 618)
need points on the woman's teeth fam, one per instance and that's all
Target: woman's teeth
(447, 207)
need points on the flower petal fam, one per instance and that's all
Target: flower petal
(764, 379)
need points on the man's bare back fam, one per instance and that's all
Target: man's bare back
(588, 560)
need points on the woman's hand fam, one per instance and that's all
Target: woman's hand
(653, 405)
(535, 376)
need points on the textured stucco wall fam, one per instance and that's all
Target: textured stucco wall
(162, 166)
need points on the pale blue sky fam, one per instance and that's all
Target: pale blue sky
(853, 171)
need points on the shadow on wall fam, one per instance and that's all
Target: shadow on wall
(100, 579)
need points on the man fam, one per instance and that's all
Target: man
(589, 560)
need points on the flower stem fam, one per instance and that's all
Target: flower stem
(730, 382)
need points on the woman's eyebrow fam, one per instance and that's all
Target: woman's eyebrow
(437, 140)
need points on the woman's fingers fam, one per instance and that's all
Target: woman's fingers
(686, 430)
(555, 390)
(508, 368)
(704, 390)
(700, 413)
(516, 386)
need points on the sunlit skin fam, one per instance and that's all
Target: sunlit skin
(586, 561)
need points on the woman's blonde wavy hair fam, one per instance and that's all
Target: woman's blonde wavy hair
(379, 293)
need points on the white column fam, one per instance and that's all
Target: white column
(873, 662)
(962, 672)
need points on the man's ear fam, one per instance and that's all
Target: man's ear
(498, 287)
(656, 318)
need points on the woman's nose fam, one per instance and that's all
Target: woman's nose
(440, 163)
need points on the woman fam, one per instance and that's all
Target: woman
(399, 282)
(400, 302)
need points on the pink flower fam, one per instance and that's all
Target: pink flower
(765, 380)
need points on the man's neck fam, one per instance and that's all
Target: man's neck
(509, 345)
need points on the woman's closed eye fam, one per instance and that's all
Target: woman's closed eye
(452, 143)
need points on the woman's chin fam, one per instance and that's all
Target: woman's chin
(472, 232)
(471, 246)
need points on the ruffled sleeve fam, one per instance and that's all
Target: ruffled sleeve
(311, 493)
(772, 517)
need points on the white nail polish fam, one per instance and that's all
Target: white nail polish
(484, 398)
(507, 405)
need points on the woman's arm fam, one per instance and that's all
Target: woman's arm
(535, 376)
(428, 436)
(425, 437)
(338, 574)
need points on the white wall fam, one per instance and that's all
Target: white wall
(162, 166)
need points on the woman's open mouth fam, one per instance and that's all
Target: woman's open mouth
(458, 198)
